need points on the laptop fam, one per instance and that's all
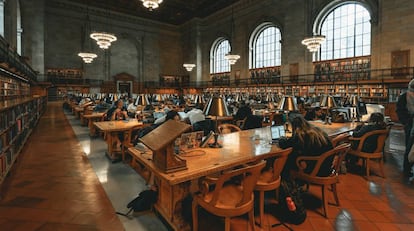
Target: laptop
(277, 132)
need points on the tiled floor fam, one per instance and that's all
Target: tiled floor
(62, 181)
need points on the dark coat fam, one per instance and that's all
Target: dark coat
(370, 143)
(402, 112)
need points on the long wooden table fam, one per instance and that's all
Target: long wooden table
(112, 129)
(94, 117)
(238, 148)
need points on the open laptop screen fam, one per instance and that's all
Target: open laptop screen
(277, 132)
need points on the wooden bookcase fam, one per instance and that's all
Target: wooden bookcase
(17, 119)
(12, 88)
(357, 68)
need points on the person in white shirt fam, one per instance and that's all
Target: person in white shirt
(131, 109)
(195, 115)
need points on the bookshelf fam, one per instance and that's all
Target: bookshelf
(12, 88)
(64, 73)
(17, 118)
(266, 75)
(357, 68)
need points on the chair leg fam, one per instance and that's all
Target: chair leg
(251, 220)
(227, 223)
(324, 201)
(335, 194)
(367, 167)
(195, 215)
(261, 206)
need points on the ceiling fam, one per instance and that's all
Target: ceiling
(170, 11)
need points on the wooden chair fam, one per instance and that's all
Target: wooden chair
(269, 179)
(378, 152)
(227, 128)
(324, 182)
(340, 139)
(229, 198)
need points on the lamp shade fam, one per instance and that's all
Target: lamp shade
(288, 103)
(328, 101)
(142, 100)
(216, 106)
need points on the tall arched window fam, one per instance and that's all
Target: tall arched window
(2, 18)
(348, 32)
(265, 46)
(19, 30)
(219, 49)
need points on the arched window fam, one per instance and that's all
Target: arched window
(19, 30)
(219, 49)
(2, 18)
(348, 32)
(265, 46)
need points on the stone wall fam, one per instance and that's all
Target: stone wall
(146, 49)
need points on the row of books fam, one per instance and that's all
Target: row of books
(15, 124)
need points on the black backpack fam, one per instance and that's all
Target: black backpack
(289, 188)
(144, 201)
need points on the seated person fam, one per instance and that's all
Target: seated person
(243, 112)
(195, 115)
(118, 112)
(306, 140)
(102, 106)
(315, 114)
(252, 121)
(131, 109)
(375, 122)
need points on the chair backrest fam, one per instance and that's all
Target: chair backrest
(280, 161)
(227, 128)
(339, 150)
(340, 139)
(381, 137)
(249, 176)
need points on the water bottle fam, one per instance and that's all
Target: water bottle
(290, 204)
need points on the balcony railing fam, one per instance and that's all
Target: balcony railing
(15, 61)
(380, 75)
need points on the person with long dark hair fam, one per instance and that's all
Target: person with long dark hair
(306, 140)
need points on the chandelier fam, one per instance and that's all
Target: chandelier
(313, 43)
(103, 39)
(151, 4)
(189, 66)
(232, 58)
(87, 57)
(86, 54)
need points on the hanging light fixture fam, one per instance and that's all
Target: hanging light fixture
(314, 43)
(232, 58)
(87, 56)
(103, 39)
(151, 4)
(189, 66)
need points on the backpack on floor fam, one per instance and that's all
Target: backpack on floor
(144, 201)
(291, 203)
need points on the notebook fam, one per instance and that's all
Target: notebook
(277, 132)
